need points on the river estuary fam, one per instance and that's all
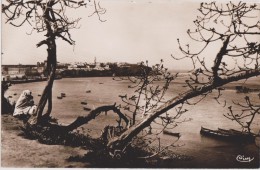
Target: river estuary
(206, 152)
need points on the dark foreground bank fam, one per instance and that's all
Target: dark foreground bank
(20, 152)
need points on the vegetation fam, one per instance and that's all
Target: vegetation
(6, 107)
(234, 26)
(50, 17)
(210, 74)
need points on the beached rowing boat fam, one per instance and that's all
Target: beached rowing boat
(231, 135)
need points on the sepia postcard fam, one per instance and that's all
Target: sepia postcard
(130, 84)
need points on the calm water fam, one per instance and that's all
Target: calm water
(105, 91)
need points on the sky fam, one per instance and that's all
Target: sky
(134, 31)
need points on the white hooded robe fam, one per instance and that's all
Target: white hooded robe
(24, 104)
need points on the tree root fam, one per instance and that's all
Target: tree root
(48, 131)
(97, 151)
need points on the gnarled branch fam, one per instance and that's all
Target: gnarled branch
(93, 114)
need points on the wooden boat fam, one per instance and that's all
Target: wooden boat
(213, 133)
(63, 94)
(225, 131)
(233, 131)
(166, 132)
(236, 131)
(231, 135)
(245, 135)
(39, 95)
(15, 94)
(88, 91)
(86, 108)
(59, 97)
(85, 103)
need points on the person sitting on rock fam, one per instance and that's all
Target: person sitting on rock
(25, 105)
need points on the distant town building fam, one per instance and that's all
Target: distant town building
(38, 71)
(15, 71)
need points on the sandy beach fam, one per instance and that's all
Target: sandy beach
(16, 151)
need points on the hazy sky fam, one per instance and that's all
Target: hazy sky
(134, 31)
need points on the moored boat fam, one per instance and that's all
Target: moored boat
(166, 132)
(86, 109)
(84, 103)
(230, 135)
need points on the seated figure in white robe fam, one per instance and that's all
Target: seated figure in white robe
(25, 105)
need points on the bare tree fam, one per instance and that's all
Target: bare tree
(246, 116)
(149, 88)
(50, 17)
(236, 26)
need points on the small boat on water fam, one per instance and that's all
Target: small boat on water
(15, 94)
(62, 94)
(88, 91)
(59, 97)
(86, 108)
(84, 103)
(230, 135)
(166, 132)
(39, 95)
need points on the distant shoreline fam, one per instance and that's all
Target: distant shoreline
(26, 81)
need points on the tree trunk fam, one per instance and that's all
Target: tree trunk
(49, 105)
(120, 143)
(47, 92)
(51, 63)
